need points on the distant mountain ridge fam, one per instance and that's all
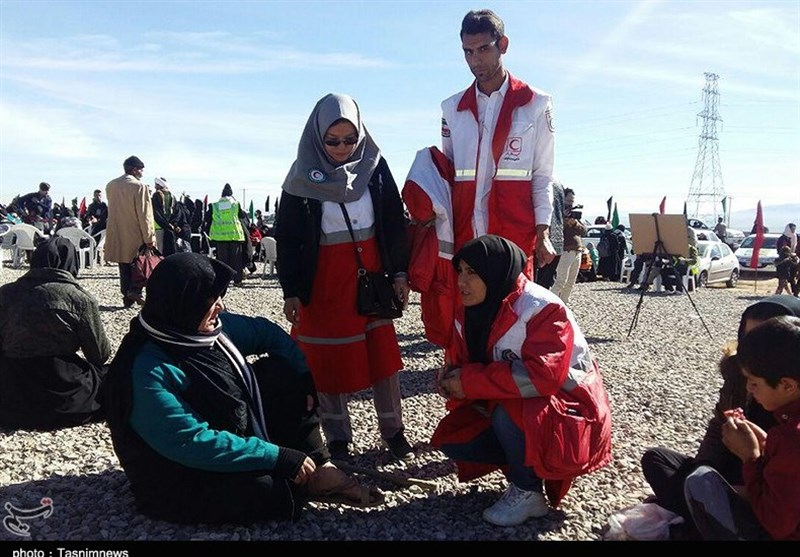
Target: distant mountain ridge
(776, 217)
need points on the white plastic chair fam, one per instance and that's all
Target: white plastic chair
(23, 238)
(100, 249)
(5, 242)
(212, 250)
(627, 268)
(269, 252)
(86, 254)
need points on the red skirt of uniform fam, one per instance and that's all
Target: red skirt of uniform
(346, 352)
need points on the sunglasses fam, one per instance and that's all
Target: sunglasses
(352, 140)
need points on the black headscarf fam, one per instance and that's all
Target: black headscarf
(771, 306)
(56, 253)
(181, 289)
(179, 293)
(498, 262)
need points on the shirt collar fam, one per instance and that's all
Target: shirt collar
(503, 89)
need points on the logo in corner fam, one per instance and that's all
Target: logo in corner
(14, 522)
(317, 176)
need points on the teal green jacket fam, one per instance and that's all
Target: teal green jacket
(167, 423)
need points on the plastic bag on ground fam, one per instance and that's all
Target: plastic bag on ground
(641, 522)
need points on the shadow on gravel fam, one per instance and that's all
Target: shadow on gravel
(601, 340)
(74, 504)
(753, 297)
(100, 507)
(98, 277)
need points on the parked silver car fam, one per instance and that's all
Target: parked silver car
(717, 263)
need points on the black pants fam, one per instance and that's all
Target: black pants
(50, 392)
(546, 276)
(230, 253)
(638, 265)
(249, 497)
(125, 283)
(666, 471)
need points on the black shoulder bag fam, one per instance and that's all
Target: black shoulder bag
(375, 295)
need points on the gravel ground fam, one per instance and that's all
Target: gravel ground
(661, 379)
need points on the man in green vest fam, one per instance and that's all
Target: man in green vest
(227, 233)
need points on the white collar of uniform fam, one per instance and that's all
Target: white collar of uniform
(503, 89)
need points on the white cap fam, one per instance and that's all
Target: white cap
(161, 183)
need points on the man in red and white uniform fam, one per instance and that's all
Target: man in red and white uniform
(499, 134)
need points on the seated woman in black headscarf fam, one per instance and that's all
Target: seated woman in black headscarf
(45, 318)
(524, 394)
(202, 435)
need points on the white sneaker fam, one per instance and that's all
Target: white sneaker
(516, 506)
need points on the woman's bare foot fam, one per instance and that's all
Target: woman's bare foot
(329, 484)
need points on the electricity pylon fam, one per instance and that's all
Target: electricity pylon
(707, 191)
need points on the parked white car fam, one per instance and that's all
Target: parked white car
(766, 255)
(717, 263)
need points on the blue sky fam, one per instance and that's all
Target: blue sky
(214, 92)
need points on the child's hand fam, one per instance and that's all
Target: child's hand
(740, 439)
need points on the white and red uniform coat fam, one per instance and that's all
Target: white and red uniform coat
(502, 148)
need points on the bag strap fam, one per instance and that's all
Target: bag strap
(361, 269)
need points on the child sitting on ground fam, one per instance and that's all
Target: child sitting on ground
(768, 507)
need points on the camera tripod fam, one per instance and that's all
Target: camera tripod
(660, 253)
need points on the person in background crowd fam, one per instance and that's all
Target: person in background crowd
(97, 214)
(130, 225)
(790, 238)
(569, 264)
(181, 224)
(198, 217)
(53, 346)
(595, 258)
(255, 241)
(545, 275)
(69, 220)
(786, 270)
(340, 171)
(163, 208)
(224, 224)
(720, 229)
(499, 133)
(35, 208)
(75, 210)
(259, 219)
(199, 245)
(203, 435)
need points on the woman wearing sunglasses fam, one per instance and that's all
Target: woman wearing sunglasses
(339, 176)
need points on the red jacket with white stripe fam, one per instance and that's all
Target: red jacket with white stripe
(427, 195)
(543, 374)
(520, 166)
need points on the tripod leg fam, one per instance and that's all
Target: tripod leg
(698, 313)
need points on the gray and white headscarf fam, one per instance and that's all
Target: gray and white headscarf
(313, 174)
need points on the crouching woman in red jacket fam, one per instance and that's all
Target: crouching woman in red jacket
(524, 394)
